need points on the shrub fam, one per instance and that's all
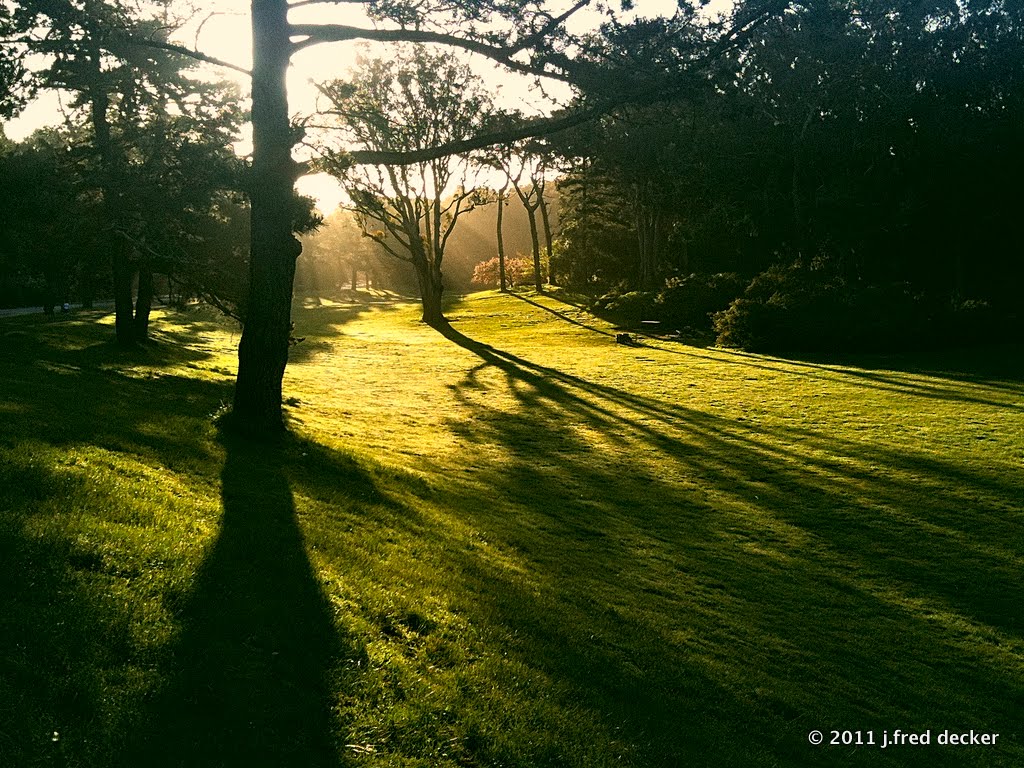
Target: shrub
(689, 302)
(790, 309)
(632, 307)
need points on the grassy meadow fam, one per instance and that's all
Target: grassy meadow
(518, 544)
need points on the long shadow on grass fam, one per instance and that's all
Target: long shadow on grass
(55, 639)
(975, 381)
(560, 315)
(249, 683)
(966, 372)
(711, 578)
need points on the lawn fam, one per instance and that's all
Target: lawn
(519, 544)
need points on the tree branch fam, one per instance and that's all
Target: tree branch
(184, 51)
(303, 3)
(553, 23)
(529, 129)
(315, 34)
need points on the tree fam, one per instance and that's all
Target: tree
(336, 254)
(51, 227)
(515, 271)
(531, 161)
(159, 139)
(415, 100)
(522, 36)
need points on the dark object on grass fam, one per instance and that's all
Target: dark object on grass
(625, 338)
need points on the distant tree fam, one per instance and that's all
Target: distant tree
(529, 182)
(517, 271)
(336, 253)
(416, 100)
(501, 202)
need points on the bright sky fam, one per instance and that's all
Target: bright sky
(222, 30)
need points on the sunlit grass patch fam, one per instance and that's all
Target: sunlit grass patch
(516, 544)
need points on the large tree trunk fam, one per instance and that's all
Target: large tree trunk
(124, 313)
(263, 349)
(120, 262)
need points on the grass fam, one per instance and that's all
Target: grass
(519, 544)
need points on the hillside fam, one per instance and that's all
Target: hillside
(522, 545)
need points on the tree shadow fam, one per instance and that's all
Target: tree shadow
(974, 380)
(55, 639)
(763, 580)
(561, 315)
(994, 367)
(250, 680)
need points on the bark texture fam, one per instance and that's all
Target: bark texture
(263, 349)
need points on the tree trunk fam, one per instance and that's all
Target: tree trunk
(501, 242)
(531, 216)
(263, 349)
(431, 287)
(548, 244)
(99, 102)
(124, 313)
(143, 303)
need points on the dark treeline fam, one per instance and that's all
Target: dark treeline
(850, 171)
(180, 229)
(826, 174)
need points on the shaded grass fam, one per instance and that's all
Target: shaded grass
(518, 545)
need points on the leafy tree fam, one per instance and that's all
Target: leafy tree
(51, 228)
(523, 36)
(159, 139)
(416, 100)
(531, 162)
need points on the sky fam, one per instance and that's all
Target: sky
(221, 29)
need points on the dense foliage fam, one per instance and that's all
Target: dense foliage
(867, 153)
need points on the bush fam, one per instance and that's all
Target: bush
(689, 302)
(630, 308)
(794, 309)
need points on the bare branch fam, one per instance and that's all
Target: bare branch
(315, 34)
(190, 53)
(552, 25)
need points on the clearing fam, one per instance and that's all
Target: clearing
(522, 545)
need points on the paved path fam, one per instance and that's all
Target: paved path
(39, 310)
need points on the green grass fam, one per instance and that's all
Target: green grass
(518, 545)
